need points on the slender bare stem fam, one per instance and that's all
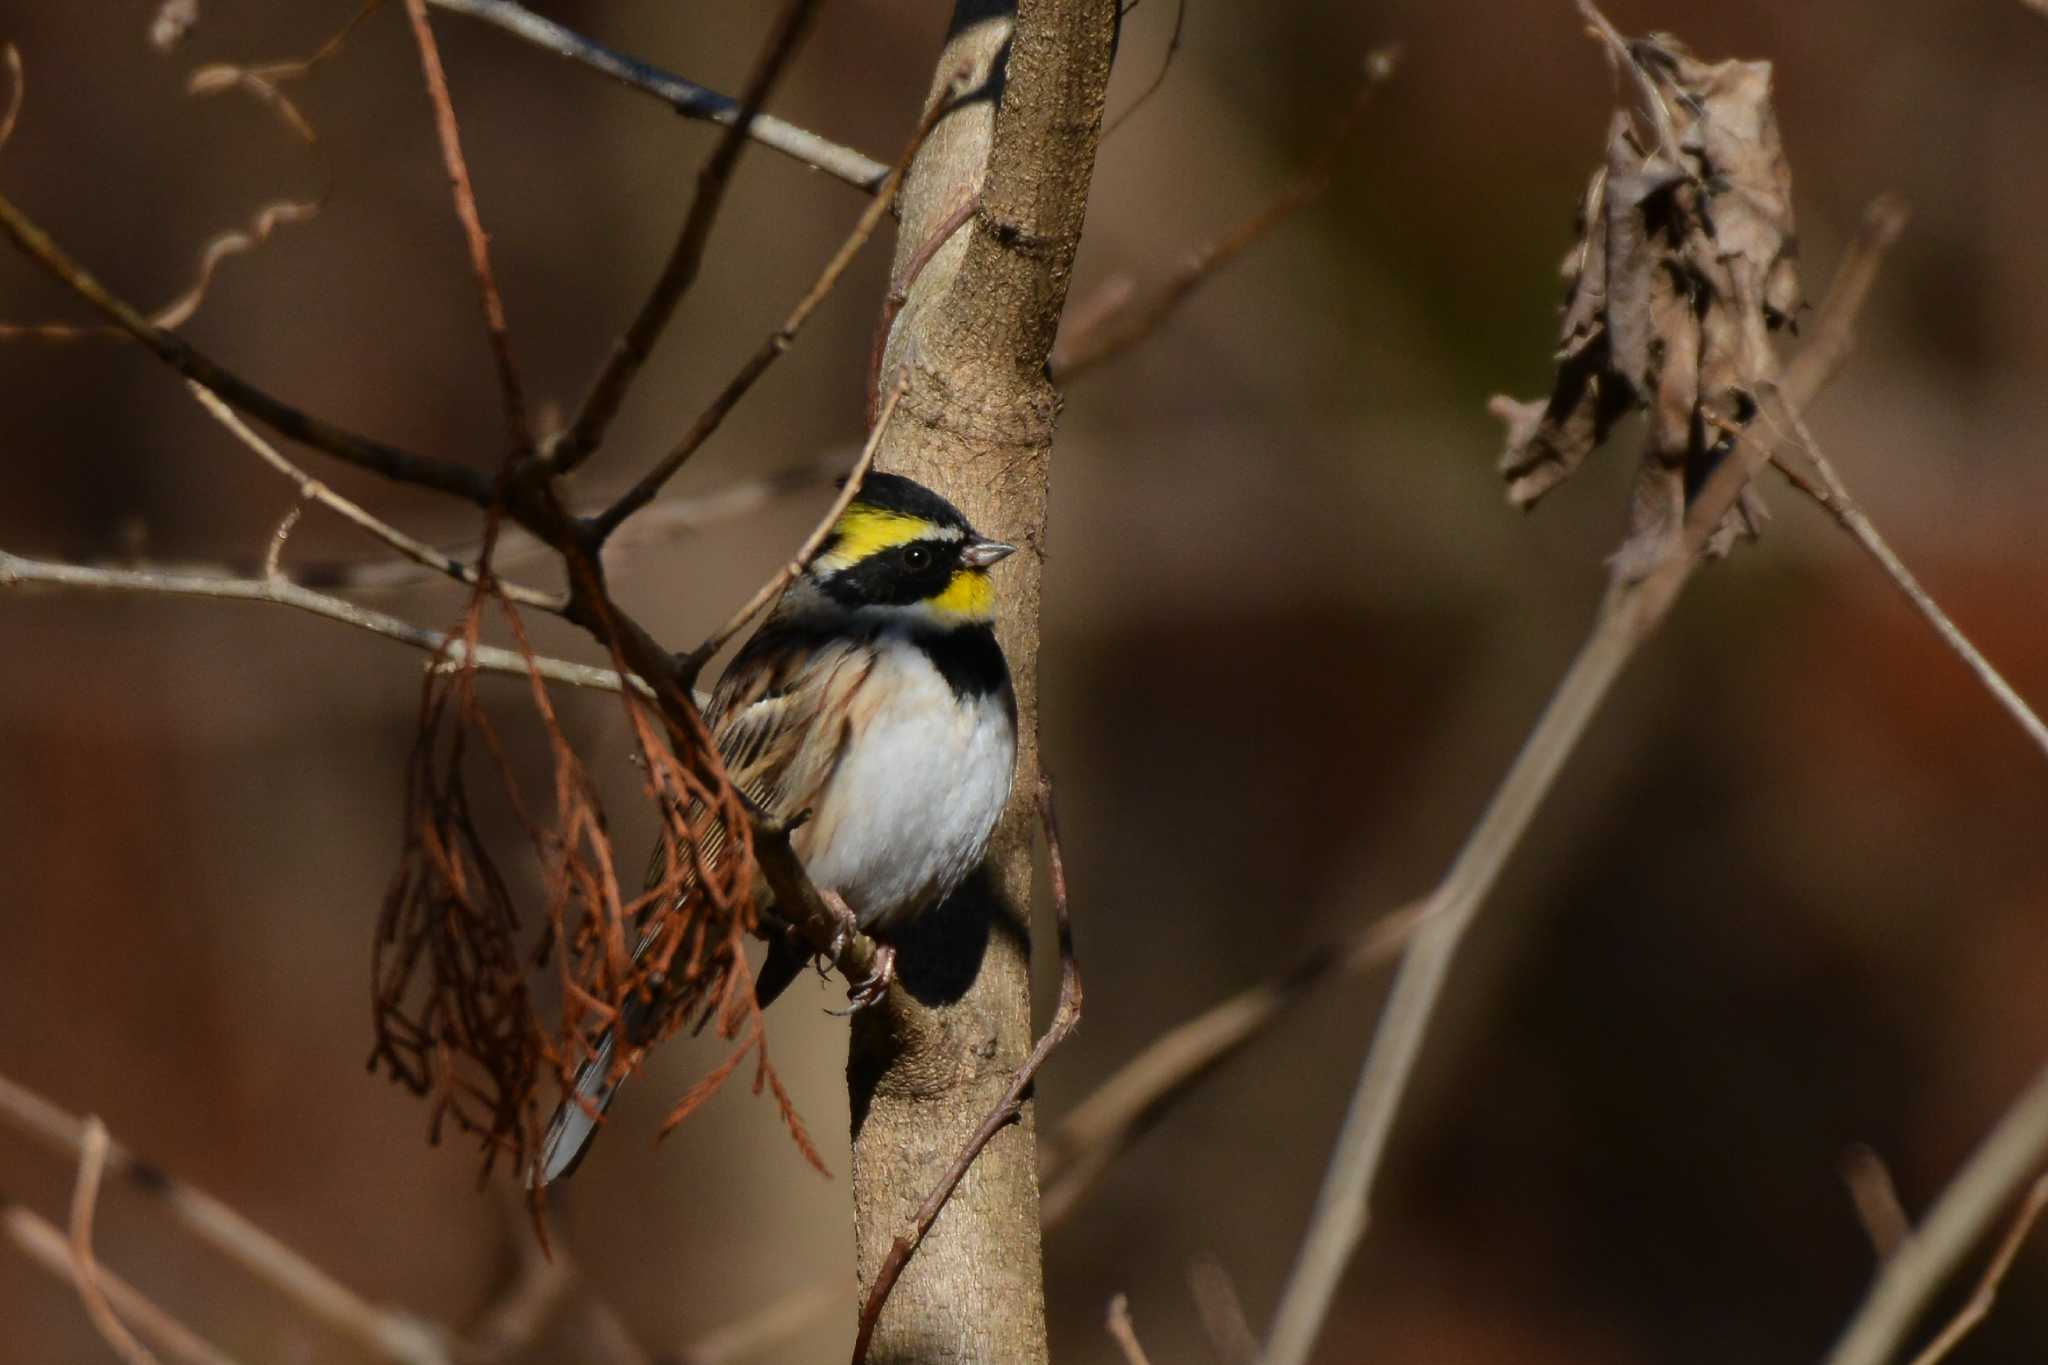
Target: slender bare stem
(85, 1271)
(1876, 1199)
(779, 340)
(311, 489)
(789, 572)
(19, 573)
(1979, 1306)
(402, 466)
(1825, 487)
(686, 259)
(44, 1243)
(686, 97)
(1117, 331)
(384, 1332)
(1124, 1332)
(1633, 609)
(517, 427)
(2010, 1156)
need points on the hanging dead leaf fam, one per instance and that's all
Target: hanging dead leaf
(1683, 265)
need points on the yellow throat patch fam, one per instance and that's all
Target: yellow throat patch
(970, 596)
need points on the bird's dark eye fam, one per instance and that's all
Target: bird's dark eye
(916, 557)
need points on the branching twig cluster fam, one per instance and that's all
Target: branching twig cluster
(456, 955)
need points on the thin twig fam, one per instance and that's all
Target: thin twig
(313, 490)
(684, 96)
(2007, 1158)
(1979, 1306)
(1825, 487)
(1180, 19)
(536, 1292)
(385, 1333)
(85, 1272)
(899, 286)
(1117, 332)
(1631, 613)
(1123, 1108)
(754, 1336)
(44, 1243)
(403, 466)
(1064, 1020)
(1222, 1314)
(17, 91)
(517, 427)
(779, 340)
(17, 572)
(669, 519)
(1123, 1332)
(693, 663)
(273, 557)
(1876, 1199)
(1143, 1090)
(686, 258)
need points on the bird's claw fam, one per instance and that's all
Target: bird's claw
(869, 990)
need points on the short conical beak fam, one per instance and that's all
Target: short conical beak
(979, 554)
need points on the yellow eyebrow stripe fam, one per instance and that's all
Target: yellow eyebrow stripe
(862, 530)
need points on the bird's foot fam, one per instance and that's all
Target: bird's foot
(870, 989)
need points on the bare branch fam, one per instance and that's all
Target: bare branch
(1124, 1333)
(757, 1334)
(426, 471)
(517, 427)
(385, 1333)
(1064, 1020)
(693, 663)
(17, 90)
(1138, 1094)
(686, 97)
(312, 490)
(632, 348)
(17, 572)
(85, 1272)
(1180, 19)
(1809, 470)
(1876, 1199)
(42, 1242)
(2003, 1163)
(778, 341)
(1114, 333)
(1634, 607)
(1979, 1306)
(1222, 1314)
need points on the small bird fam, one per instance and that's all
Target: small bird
(875, 697)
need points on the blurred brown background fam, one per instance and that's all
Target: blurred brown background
(1792, 895)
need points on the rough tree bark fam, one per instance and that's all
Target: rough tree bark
(976, 423)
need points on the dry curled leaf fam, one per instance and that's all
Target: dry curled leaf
(1684, 264)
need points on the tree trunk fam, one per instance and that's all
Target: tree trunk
(976, 423)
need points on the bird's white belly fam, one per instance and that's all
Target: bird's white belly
(908, 811)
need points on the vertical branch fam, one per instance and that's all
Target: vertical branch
(976, 424)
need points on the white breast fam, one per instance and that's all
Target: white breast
(909, 809)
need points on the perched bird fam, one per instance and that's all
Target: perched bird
(875, 697)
